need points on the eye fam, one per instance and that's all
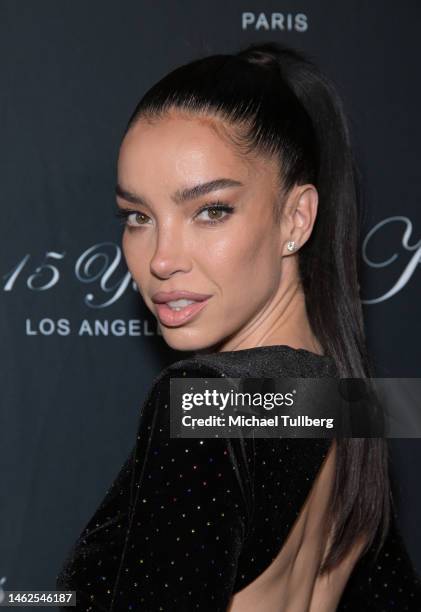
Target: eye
(135, 219)
(214, 211)
(131, 218)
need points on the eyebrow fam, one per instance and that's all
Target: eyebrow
(182, 195)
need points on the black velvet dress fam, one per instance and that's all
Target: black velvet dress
(189, 522)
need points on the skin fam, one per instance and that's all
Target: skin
(242, 261)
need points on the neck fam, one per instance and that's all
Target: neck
(284, 320)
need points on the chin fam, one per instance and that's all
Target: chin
(180, 340)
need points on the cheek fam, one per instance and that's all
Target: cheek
(134, 254)
(236, 263)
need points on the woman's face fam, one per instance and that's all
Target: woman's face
(174, 240)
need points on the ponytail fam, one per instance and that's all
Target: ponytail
(328, 265)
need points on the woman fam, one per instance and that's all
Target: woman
(237, 186)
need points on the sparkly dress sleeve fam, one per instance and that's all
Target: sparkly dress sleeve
(178, 517)
(92, 562)
(189, 518)
(387, 583)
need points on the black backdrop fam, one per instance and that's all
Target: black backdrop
(71, 73)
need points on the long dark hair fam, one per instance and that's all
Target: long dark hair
(277, 102)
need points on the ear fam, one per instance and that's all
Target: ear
(299, 216)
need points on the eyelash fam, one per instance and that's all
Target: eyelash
(124, 213)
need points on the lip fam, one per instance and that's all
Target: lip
(161, 297)
(175, 318)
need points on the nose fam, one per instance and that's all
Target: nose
(171, 254)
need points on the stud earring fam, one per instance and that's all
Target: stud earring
(291, 245)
